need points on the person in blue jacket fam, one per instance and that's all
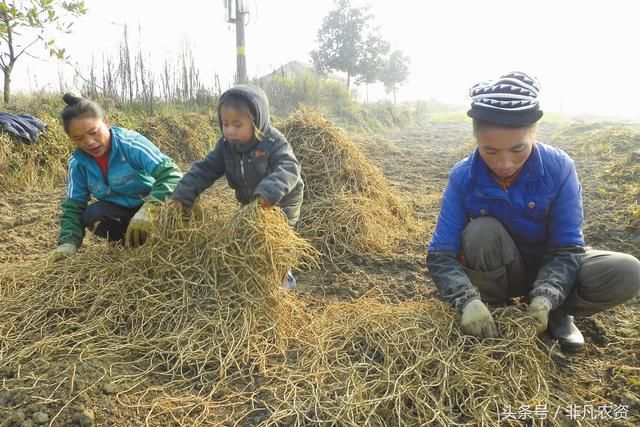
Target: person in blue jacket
(511, 225)
(122, 170)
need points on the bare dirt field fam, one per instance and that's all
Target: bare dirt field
(416, 163)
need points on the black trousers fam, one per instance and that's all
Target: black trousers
(107, 220)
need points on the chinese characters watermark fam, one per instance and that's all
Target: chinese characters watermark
(571, 412)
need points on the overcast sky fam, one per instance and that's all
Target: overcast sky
(585, 53)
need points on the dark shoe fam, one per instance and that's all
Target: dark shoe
(569, 337)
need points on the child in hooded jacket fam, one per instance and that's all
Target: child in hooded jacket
(255, 157)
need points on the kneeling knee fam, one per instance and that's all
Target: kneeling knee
(628, 283)
(482, 231)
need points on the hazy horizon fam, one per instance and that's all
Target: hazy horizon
(582, 52)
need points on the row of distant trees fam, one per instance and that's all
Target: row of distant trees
(128, 76)
(28, 26)
(348, 42)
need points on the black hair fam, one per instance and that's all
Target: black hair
(238, 102)
(79, 107)
(478, 125)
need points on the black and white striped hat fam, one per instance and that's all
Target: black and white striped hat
(512, 100)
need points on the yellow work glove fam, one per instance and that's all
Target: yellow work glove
(539, 309)
(477, 320)
(139, 225)
(63, 251)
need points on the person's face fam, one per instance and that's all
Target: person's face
(90, 134)
(505, 150)
(236, 125)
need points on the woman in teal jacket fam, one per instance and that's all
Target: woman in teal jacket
(121, 169)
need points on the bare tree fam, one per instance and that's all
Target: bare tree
(23, 23)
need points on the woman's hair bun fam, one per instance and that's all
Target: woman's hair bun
(71, 98)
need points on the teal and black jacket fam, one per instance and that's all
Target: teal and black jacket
(137, 170)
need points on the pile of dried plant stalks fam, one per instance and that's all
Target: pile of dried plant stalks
(372, 363)
(349, 207)
(623, 184)
(41, 162)
(193, 329)
(199, 303)
(607, 161)
(185, 137)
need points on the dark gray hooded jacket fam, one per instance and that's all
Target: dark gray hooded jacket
(266, 167)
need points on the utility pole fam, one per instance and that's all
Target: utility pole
(241, 68)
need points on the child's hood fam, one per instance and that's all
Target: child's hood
(258, 101)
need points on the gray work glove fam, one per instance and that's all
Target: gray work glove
(65, 250)
(539, 309)
(477, 320)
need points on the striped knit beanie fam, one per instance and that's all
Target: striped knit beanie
(512, 100)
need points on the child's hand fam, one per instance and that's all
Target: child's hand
(176, 203)
(264, 203)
